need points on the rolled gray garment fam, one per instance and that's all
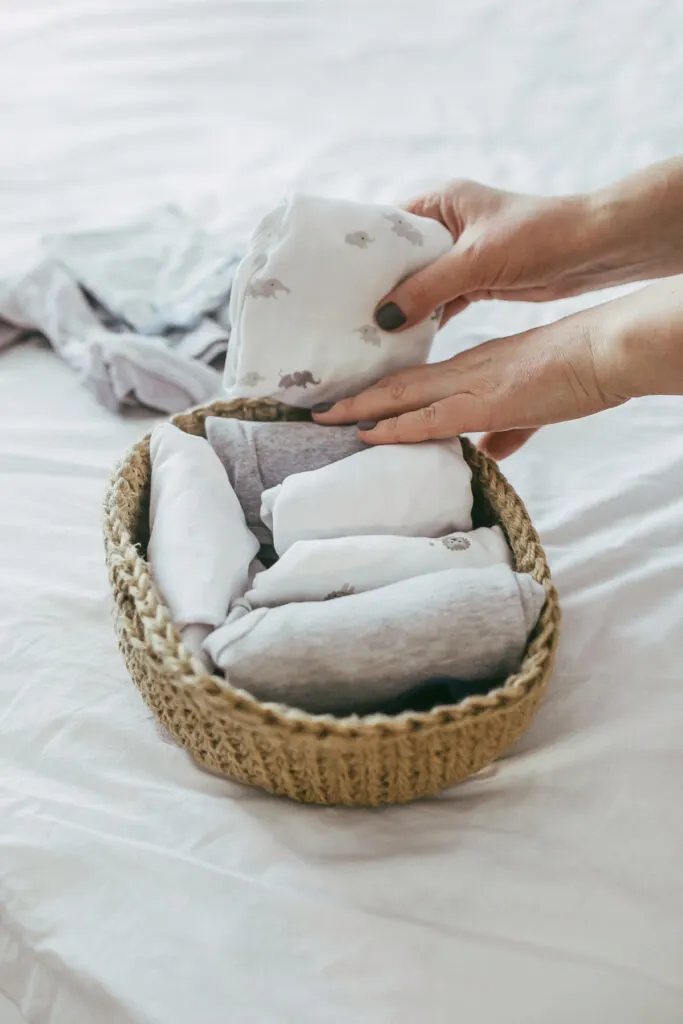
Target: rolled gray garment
(341, 655)
(258, 456)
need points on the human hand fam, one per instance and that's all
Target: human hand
(509, 387)
(507, 246)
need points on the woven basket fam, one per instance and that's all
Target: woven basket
(316, 758)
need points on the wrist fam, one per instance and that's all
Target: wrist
(619, 250)
(636, 226)
(643, 333)
(609, 243)
(587, 244)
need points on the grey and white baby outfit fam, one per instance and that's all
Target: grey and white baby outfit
(303, 299)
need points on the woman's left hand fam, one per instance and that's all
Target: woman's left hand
(509, 387)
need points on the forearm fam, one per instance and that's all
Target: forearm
(633, 230)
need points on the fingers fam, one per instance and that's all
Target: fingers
(425, 206)
(505, 442)
(442, 419)
(403, 392)
(452, 309)
(448, 278)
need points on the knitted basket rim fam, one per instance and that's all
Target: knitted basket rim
(158, 660)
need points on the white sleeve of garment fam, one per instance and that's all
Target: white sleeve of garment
(409, 490)
(200, 549)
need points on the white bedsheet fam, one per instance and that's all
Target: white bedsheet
(135, 889)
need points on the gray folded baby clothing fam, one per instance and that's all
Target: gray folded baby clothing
(336, 656)
(258, 456)
(162, 273)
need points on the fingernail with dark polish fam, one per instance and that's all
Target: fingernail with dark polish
(390, 317)
(322, 407)
(367, 425)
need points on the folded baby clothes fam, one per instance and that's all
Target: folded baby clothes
(335, 656)
(411, 490)
(258, 456)
(200, 549)
(318, 570)
(303, 299)
(193, 636)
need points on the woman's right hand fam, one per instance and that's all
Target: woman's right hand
(532, 248)
(507, 246)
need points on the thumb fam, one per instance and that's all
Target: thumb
(449, 277)
(506, 442)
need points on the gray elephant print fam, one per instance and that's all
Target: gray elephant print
(267, 288)
(298, 379)
(250, 379)
(369, 334)
(437, 314)
(344, 591)
(456, 543)
(402, 228)
(361, 239)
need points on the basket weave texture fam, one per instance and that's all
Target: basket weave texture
(317, 759)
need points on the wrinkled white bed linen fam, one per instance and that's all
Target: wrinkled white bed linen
(135, 889)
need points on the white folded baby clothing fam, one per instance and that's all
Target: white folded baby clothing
(411, 490)
(303, 299)
(318, 570)
(193, 636)
(258, 456)
(200, 549)
(336, 656)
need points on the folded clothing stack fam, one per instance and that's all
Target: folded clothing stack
(200, 548)
(376, 580)
(369, 597)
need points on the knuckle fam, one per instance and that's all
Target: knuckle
(346, 407)
(429, 415)
(474, 254)
(389, 427)
(397, 388)
(456, 186)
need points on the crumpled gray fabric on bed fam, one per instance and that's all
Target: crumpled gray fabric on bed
(140, 311)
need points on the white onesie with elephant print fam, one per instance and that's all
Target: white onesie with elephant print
(303, 299)
(410, 490)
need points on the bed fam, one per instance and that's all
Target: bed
(137, 889)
